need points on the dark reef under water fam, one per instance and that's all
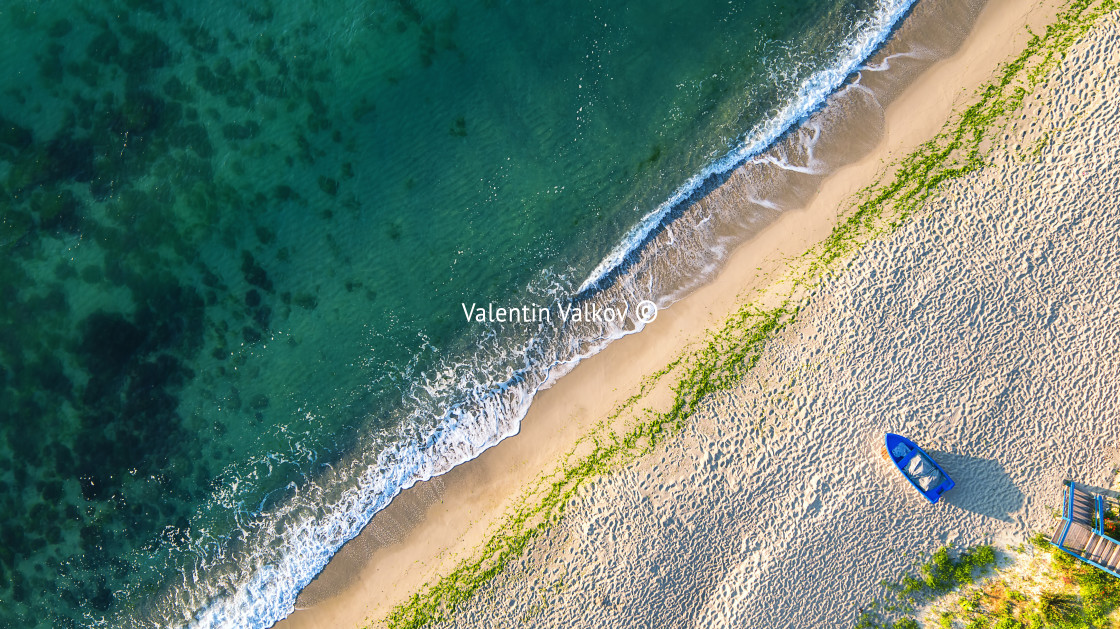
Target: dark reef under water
(235, 239)
(98, 459)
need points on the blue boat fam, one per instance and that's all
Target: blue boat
(920, 470)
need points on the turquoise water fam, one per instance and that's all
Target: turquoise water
(237, 241)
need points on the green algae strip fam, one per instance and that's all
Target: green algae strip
(718, 363)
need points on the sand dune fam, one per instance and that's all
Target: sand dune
(985, 329)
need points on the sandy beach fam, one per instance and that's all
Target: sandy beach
(982, 328)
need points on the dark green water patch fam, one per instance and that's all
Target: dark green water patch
(236, 238)
(129, 269)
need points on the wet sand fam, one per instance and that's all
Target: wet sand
(722, 524)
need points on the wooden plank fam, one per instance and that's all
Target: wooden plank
(1091, 546)
(1114, 561)
(1106, 552)
(1077, 537)
(1101, 550)
(1058, 530)
(1082, 513)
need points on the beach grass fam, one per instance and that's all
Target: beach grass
(720, 361)
(1051, 589)
(945, 571)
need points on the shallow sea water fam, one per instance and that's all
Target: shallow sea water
(236, 239)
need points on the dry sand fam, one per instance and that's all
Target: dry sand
(981, 331)
(986, 330)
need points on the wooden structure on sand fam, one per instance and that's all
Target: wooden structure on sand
(1081, 531)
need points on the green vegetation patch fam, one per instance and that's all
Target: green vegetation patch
(964, 143)
(946, 570)
(1086, 597)
(722, 360)
(1054, 591)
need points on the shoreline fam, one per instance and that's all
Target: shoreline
(976, 328)
(394, 555)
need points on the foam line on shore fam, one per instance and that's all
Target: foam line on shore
(264, 586)
(880, 209)
(809, 99)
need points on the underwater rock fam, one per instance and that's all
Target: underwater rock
(57, 210)
(254, 273)
(103, 599)
(259, 402)
(50, 376)
(305, 301)
(60, 28)
(142, 111)
(362, 109)
(328, 185)
(263, 317)
(213, 82)
(51, 491)
(14, 136)
(395, 229)
(176, 89)
(199, 38)
(193, 137)
(241, 131)
(318, 107)
(148, 52)
(70, 158)
(105, 48)
(110, 343)
(250, 335)
(285, 192)
(459, 127)
(51, 68)
(266, 235)
(91, 274)
(274, 87)
(14, 225)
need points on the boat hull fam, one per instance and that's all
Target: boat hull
(902, 458)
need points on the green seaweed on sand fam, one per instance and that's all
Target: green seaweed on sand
(963, 145)
(726, 355)
(731, 351)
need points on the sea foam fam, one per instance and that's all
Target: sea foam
(459, 411)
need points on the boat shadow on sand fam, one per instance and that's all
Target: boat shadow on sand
(983, 486)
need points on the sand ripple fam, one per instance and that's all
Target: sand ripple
(986, 330)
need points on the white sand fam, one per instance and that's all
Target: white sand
(987, 330)
(933, 333)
